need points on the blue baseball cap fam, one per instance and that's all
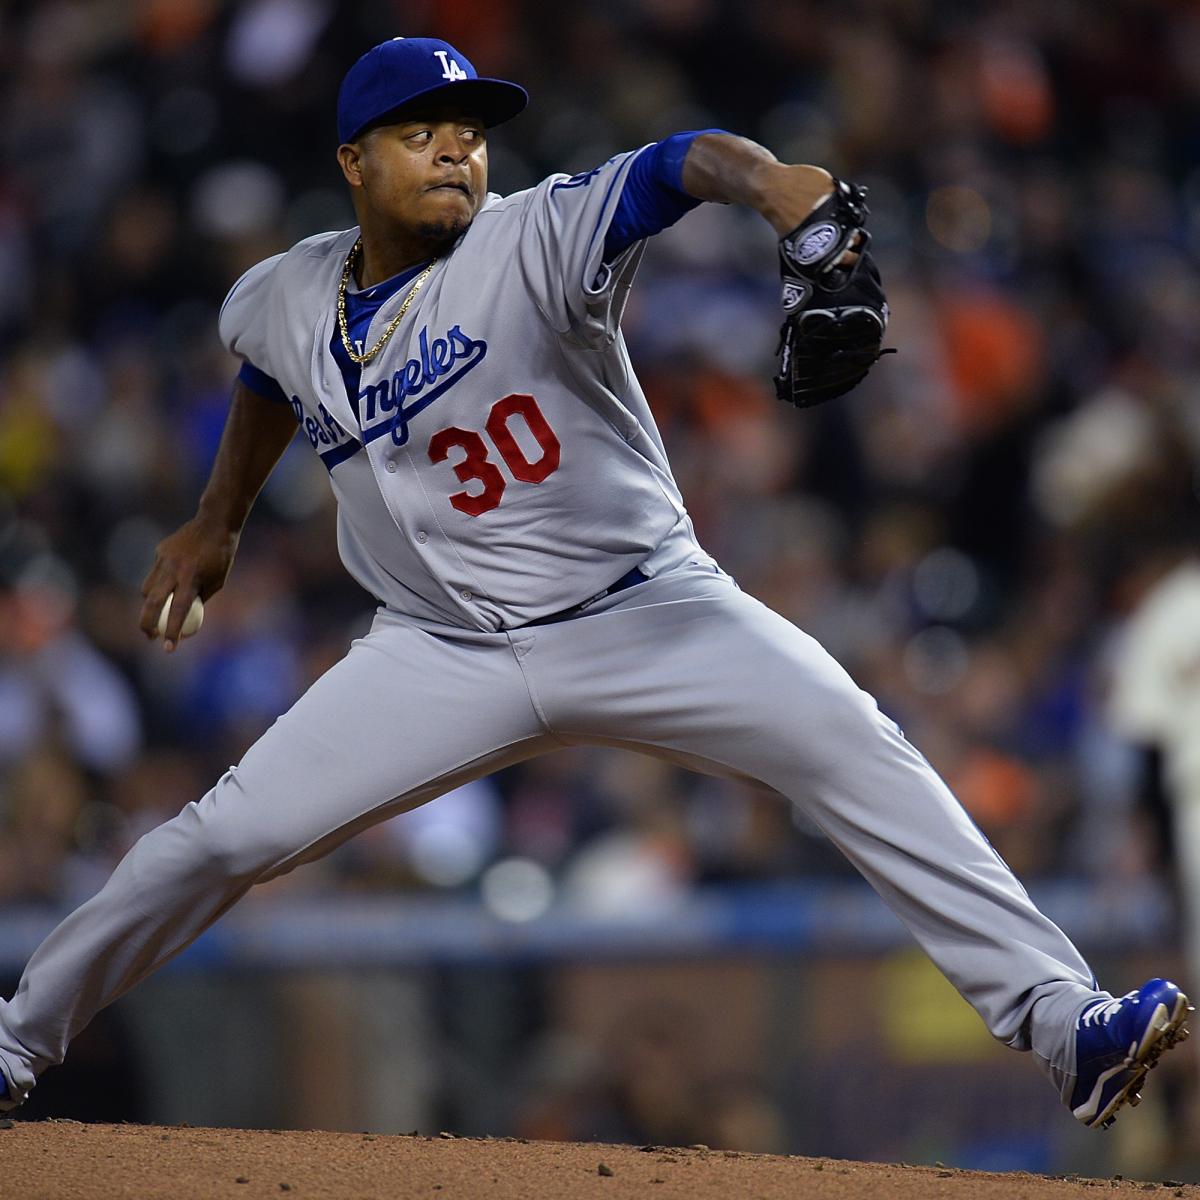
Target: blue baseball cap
(395, 73)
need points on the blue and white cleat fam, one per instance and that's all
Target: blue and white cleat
(1116, 1044)
(7, 1103)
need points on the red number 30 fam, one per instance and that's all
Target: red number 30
(475, 463)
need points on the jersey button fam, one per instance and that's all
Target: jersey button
(422, 536)
(466, 595)
(391, 467)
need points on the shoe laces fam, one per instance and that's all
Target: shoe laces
(1104, 1011)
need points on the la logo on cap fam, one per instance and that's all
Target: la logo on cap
(450, 69)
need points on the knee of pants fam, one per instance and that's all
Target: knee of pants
(226, 855)
(222, 839)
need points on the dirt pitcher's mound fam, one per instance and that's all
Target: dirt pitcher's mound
(64, 1160)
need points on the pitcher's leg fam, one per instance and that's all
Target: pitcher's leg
(701, 670)
(380, 732)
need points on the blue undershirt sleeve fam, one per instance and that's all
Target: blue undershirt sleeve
(653, 197)
(261, 384)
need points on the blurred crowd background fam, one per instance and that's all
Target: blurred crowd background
(975, 533)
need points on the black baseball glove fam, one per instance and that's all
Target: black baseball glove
(834, 316)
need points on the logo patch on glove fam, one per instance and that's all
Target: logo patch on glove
(794, 294)
(815, 244)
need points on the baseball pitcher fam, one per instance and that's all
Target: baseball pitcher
(456, 363)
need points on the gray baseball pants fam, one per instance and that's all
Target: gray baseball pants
(684, 665)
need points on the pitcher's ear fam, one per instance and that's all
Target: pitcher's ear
(349, 156)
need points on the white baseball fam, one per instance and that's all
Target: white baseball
(191, 623)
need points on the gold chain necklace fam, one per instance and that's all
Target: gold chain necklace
(351, 262)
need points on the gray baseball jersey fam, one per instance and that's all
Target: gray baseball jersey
(498, 462)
